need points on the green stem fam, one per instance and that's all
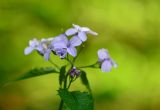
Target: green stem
(80, 50)
(61, 105)
(55, 65)
(88, 66)
(65, 82)
(65, 87)
(70, 83)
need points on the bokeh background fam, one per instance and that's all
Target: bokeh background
(129, 29)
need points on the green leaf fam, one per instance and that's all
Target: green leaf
(84, 80)
(37, 72)
(62, 74)
(76, 100)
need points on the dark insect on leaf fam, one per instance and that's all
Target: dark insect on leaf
(76, 100)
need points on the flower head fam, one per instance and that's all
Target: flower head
(33, 44)
(43, 47)
(74, 72)
(61, 53)
(106, 62)
(62, 42)
(80, 32)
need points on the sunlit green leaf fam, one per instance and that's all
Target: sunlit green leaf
(76, 100)
(84, 80)
(37, 72)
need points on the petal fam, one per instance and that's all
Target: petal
(59, 45)
(88, 31)
(61, 52)
(71, 31)
(50, 39)
(40, 49)
(28, 50)
(77, 27)
(106, 66)
(103, 54)
(47, 55)
(72, 51)
(92, 32)
(33, 43)
(44, 40)
(85, 29)
(75, 41)
(60, 42)
(82, 36)
(61, 37)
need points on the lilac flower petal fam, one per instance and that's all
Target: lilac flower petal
(72, 51)
(88, 31)
(60, 42)
(60, 38)
(33, 43)
(106, 66)
(85, 29)
(44, 40)
(82, 36)
(50, 39)
(76, 27)
(75, 41)
(71, 31)
(40, 48)
(58, 45)
(103, 54)
(47, 54)
(61, 52)
(92, 32)
(28, 50)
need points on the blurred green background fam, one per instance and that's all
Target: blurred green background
(129, 29)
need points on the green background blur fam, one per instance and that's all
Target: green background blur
(129, 29)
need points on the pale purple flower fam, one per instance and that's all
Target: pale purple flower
(106, 62)
(61, 52)
(80, 32)
(33, 44)
(62, 42)
(41, 46)
(74, 72)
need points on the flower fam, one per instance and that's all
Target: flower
(104, 59)
(61, 52)
(33, 44)
(62, 42)
(80, 32)
(43, 47)
(74, 72)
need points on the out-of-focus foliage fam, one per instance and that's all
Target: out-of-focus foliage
(130, 29)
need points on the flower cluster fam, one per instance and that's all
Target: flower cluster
(66, 43)
(61, 44)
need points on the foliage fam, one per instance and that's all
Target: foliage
(37, 72)
(76, 100)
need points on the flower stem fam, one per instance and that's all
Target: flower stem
(55, 65)
(65, 82)
(61, 105)
(79, 51)
(88, 66)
